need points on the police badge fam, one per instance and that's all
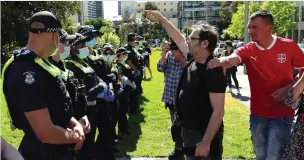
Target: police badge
(29, 78)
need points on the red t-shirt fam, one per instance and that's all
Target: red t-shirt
(269, 70)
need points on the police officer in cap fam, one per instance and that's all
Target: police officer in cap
(75, 89)
(36, 97)
(103, 70)
(127, 78)
(133, 62)
(95, 89)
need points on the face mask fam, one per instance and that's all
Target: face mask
(56, 49)
(136, 47)
(105, 57)
(111, 58)
(92, 42)
(125, 58)
(83, 52)
(65, 54)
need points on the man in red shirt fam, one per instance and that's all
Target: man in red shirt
(269, 61)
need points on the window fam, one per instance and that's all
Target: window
(171, 9)
(165, 3)
(139, 5)
(164, 9)
(171, 3)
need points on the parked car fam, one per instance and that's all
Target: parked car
(219, 49)
(301, 45)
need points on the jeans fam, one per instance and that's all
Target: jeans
(269, 136)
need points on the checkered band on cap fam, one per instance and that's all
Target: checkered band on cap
(53, 29)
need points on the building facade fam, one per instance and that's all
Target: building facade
(191, 12)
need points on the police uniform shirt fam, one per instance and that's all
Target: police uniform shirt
(28, 87)
(132, 55)
(75, 89)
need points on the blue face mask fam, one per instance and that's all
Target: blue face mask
(92, 42)
(83, 52)
(65, 54)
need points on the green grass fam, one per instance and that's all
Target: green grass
(150, 135)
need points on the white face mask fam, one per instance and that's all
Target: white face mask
(105, 57)
(65, 54)
(111, 58)
(125, 58)
(83, 52)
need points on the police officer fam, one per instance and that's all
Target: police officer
(102, 69)
(37, 99)
(133, 62)
(95, 88)
(75, 89)
(127, 78)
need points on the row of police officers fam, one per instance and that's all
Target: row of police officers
(60, 90)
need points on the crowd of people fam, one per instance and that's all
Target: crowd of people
(61, 88)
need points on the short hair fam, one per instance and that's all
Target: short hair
(209, 33)
(265, 15)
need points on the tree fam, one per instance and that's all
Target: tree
(282, 17)
(111, 38)
(151, 30)
(97, 23)
(127, 26)
(228, 8)
(236, 28)
(14, 15)
(67, 25)
(108, 27)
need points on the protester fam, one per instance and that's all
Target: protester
(269, 62)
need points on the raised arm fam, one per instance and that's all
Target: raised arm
(172, 31)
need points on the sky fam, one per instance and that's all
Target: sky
(110, 9)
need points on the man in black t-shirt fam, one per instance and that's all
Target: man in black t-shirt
(200, 92)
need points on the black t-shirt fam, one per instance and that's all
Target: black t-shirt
(28, 87)
(193, 95)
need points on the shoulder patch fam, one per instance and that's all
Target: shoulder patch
(29, 77)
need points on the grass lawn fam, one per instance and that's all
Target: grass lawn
(150, 135)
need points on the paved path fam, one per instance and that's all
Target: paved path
(245, 89)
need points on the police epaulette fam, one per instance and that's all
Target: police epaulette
(24, 53)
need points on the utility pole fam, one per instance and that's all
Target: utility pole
(193, 12)
(246, 37)
(299, 23)
(206, 11)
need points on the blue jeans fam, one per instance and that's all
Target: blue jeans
(269, 136)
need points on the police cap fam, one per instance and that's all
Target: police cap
(50, 22)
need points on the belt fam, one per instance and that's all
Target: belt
(91, 103)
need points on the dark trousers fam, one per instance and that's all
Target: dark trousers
(123, 109)
(134, 96)
(32, 149)
(103, 146)
(113, 108)
(233, 75)
(87, 149)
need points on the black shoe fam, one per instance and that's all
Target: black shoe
(176, 155)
